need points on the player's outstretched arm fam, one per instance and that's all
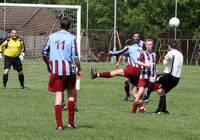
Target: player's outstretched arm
(124, 51)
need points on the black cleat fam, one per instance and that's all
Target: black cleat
(157, 112)
(165, 112)
(93, 73)
(22, 87)
(126, 99)
(76, 109)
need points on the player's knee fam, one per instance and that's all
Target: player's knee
(71, 99)
(6, 71)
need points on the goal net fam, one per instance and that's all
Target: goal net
(34, 23)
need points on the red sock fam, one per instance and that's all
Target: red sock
(141, 107)
(71, 112)
(58, 115)
(134, 107)
(126, 88)
(105, 74)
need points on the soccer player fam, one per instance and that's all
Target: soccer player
(135, 39)
(61, 58)
(147, 73)
(132, 70)
(14, 53)
(173, 62)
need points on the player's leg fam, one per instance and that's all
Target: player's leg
(138, 96)
(58, 110)
(5, 77)
(134, 93)
(17, 65)
(127, 89)
(148, 92)
(138, 99)
(21, 79)
(75, 99)
(162, 101)
(56, 85)
(64, 107)
(107, 74)
(7, 65)
(71, 89)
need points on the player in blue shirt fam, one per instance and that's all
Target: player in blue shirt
(131, 70)
(61, 57)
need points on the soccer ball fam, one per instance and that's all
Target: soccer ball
(174, 22)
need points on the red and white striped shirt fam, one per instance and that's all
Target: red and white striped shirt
(62, 51)
(147, 57)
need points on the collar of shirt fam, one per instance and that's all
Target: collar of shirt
(64, 31)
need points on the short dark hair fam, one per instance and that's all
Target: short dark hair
(65, 23)
(136, 32)
(173, 44)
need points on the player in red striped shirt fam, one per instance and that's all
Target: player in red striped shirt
(147, 73)
(61, 57)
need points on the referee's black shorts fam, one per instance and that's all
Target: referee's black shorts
(15, 62)
(168, 81)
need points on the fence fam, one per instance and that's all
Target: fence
(100, 43)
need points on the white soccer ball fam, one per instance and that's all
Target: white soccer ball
(174, 22)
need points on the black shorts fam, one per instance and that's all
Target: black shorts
(167, 81)
(15, 62)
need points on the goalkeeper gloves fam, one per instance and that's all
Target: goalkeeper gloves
(21, 56)
(1, 56)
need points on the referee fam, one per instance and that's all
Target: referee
(14, 49)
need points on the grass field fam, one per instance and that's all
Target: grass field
(28, 114)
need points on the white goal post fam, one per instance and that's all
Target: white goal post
(76, 7)
(34, 23)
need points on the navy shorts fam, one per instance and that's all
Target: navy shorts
(15, 62)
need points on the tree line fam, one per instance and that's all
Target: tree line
(148, 16)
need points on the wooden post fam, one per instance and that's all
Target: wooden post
(187, 52)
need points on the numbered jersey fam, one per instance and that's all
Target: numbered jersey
(62, 51)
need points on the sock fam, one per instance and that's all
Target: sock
(5, 79)
(126, 88)
(21, 79)
(134, 107)
(71, 112)
(104, 74)
(165, 105)
(141, 107)
(161, 103)
(58, 115)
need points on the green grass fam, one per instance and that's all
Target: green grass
(28, 114)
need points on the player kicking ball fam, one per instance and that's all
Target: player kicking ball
(61, 58)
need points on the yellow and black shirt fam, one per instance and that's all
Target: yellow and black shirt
(12, 47)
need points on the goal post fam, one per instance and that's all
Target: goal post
(34, 23)
(76, 7)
